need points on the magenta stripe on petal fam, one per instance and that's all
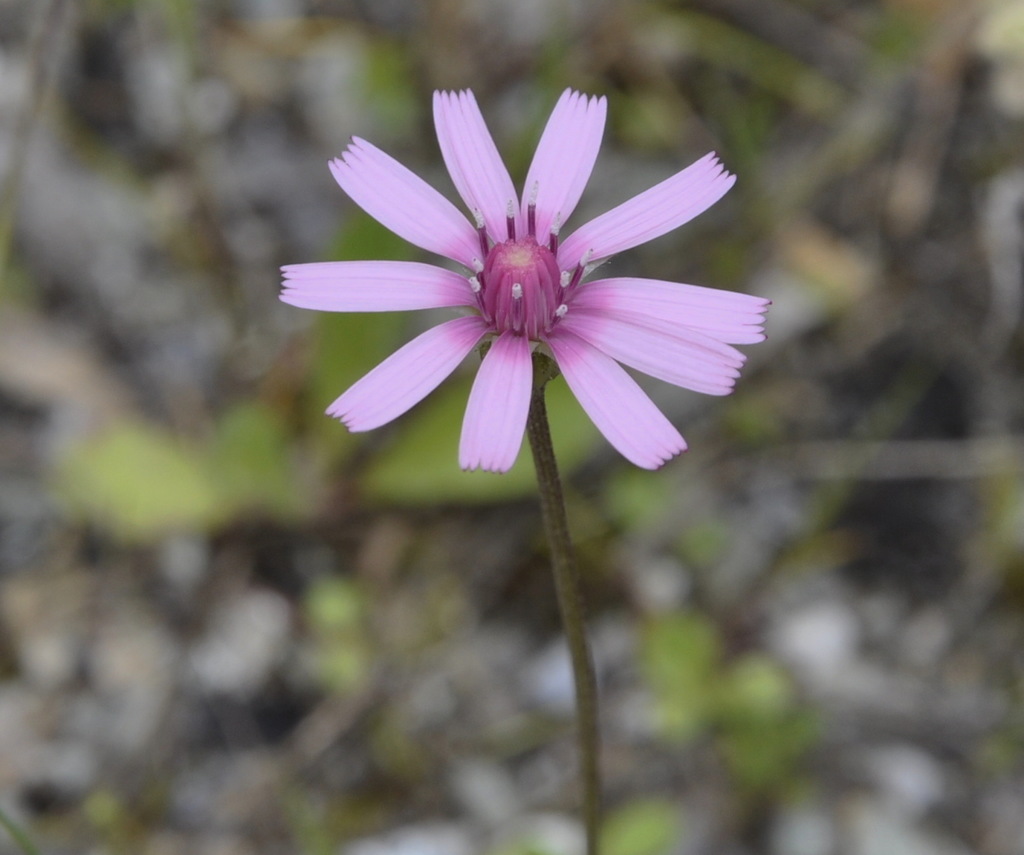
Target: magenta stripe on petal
(683, 357)
(495, 421)
(564, 159)
(403, 202)
(373, 286)
(407, 376)
(727, 316)
(654, 212)
(615, 403)
(473, 161)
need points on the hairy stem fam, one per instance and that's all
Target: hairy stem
(570, 602)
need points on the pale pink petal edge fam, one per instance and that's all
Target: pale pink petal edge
(495, 421)
(407, 376)
(620, 409)
(473, 161)
(373, 286)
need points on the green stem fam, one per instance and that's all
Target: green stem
(570, 601)
(17, 834)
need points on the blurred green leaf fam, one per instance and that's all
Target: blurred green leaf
(649, 827)
(680, 657)
(336, 611)
(761, 752)
(703, 542)
(140, 482)
(635, 499)
(763, 732)
(755, 686)
(249, 459)
(421, 467)
(390, 89)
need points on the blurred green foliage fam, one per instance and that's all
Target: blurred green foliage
(140, 481)
(647, 827)
(335, 610)
(421, 465)
(748, 704)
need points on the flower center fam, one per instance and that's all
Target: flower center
(520, 287)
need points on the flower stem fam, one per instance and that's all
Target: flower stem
(570, 600)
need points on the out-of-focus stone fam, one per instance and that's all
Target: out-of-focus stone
(246, 639)
(802, 831)
(426, 839)
(874, 828)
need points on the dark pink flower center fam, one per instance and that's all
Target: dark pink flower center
(521, 287)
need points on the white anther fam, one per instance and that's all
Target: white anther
(517, 291)
(478, 265)
(474, 283)
(478, 217)
(510, 210)
(564, 278)
(561, 310)
(556, 224)
(585, 260)
(534, 190)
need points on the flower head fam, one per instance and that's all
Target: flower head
(525, 288)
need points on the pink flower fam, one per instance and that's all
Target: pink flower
(525, 288)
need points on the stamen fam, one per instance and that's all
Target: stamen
(531, 210)
(581, 269)
(553, 230)
(563, 279)
(478, 265)
(481, 230)
(474, 283)
(510, 220)
(561, 311)
(517, 291)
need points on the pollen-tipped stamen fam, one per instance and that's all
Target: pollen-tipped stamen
(581, 268)
(553, 230)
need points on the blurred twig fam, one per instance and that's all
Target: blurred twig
(17, 834)
(894, 460)
(40, 69)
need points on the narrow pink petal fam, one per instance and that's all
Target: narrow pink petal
(615, 403)
(373, 286)
(473, 161)
(407, 376)
(654, 212)
(492, 431)
(727, 316)
(683, 357)
(399, 199)
(564, 159)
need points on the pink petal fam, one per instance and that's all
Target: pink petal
(654, 212)
(399, 199)
(407, 376)
(373, 286)
(492, 431)
(683, 357)
(473, 161)
(621, 410)
(564, 159)
(727, 316)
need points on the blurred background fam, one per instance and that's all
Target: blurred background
(228, 627)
